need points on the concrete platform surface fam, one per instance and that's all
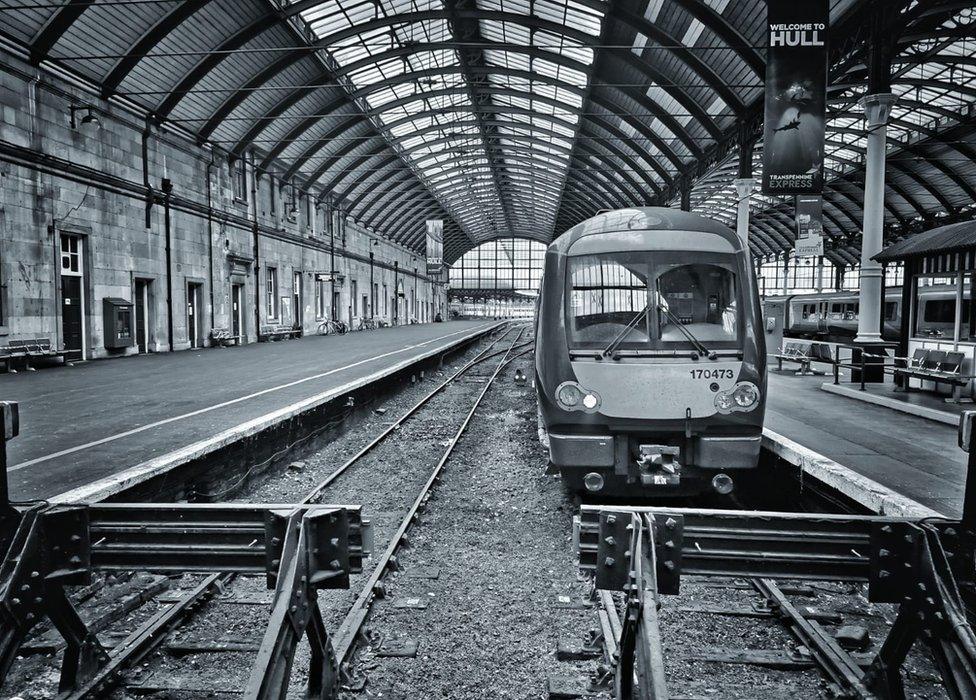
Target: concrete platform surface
(911, 455)
(924, 404)
(79, 424)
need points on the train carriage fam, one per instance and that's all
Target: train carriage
(651, 373)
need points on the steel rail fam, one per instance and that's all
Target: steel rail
(398, 423)
(830, 657)
(145, 639)
(155, 630)
(344, 640)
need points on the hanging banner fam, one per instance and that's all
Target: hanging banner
(809, 226)
(796, 96)
(435, 247)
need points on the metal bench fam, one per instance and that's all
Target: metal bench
(271, 333)
(26, 350)
(938, 366)
(222, 337)
(804, 355)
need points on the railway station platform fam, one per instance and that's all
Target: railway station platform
(84, 423)
(909, 454)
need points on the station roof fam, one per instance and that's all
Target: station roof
(522, 117)
(952, 238)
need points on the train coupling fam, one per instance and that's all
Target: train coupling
(658, 465)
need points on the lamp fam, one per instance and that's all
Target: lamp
(89, 123)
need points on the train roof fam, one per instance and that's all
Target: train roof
(646, 219)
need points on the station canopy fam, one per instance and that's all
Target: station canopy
(523, 117)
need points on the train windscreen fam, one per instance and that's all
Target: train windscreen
(651, 300)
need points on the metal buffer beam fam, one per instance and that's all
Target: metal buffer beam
(920, 565)
(299, 548)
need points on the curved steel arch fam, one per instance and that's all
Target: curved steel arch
(612, 151)
(57, 24)
(210, 61)
(912, 175)
(336, 157)
(290, 58)
(408, 77)
(398, 197)
(150, 39)
(283, 62)
(635, 193)
(719, 26)
(543, 167)
(567, 151)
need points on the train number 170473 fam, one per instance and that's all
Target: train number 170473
(712, 374)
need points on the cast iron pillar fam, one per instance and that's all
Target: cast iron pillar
(743, 190)
(877, 109)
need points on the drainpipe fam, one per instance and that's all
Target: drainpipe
(257, 248)
(167, 187)
(372, 296)
(332, 270)
(146, 133)
(396, 293)
(210, 254)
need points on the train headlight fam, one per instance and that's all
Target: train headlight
(746, 395)
(743, 397)
(569, 395)
(724, 402)
(572, 397)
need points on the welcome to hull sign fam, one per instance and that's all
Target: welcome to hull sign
(796, 86)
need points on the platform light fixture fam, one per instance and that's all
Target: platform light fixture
(88, 124)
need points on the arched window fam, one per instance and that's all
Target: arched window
(505, 264)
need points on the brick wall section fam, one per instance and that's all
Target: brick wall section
(55, 179)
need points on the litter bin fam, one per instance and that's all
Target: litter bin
(874, 363)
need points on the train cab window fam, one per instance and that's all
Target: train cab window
(653, 301)
(608, 296)
(699, 298)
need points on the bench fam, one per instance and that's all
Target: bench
(271, 333)
(938, 366)
(221, 338)
(27, 350)
(804, 355)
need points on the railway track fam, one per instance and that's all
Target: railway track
(635, 623)
(195, 605)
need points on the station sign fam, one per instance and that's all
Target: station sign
(435, 247)
(809, 226)
(796, 96)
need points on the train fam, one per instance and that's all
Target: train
(833, 316)
(650, 366)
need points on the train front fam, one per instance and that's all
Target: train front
(651, 371)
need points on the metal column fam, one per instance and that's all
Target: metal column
(877, 109)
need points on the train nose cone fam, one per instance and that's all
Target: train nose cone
(723, 483)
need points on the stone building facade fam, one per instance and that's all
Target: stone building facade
(115, 231)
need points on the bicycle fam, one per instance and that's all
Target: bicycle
(367, 324)
(331, 327)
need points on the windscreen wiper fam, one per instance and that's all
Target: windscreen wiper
(688, 334)
(620, 336)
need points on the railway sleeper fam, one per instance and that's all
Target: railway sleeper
(919, 565)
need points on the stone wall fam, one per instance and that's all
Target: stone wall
(152, 208)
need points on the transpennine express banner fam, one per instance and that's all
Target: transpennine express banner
(796, 96)
(435, 247)
(809, 226)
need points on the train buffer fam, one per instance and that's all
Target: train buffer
(299, 548)
(924, 566)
